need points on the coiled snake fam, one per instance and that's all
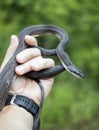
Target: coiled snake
(7, 75)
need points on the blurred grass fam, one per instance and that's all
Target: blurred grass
(71, 106)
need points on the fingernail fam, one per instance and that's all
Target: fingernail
(13, 37)
(20, 70)
(20, 58)
(14, 40)
(30, 38)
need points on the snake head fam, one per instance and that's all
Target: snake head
(74, 70)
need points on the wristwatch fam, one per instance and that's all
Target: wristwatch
(24, 102)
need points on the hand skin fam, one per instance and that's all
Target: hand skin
(13, 117)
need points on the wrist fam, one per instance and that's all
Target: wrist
(17, 111)
(15, 118)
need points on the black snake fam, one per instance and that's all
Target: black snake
(8, 74)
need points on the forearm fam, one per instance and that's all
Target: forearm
(15, 118)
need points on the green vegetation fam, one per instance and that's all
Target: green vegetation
(73, 103)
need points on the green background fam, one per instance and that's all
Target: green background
(73, 103)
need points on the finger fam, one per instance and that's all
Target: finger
(11, 49)
(28, 54)
(35, 64)
(30, 40)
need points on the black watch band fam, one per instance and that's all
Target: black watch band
(23, 102)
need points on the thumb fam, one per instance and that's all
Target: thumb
(11, 49)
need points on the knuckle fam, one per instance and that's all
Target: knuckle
(52, 62)
(34, 51)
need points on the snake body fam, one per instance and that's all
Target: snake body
(8, 74)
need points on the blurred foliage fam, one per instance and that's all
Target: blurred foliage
(73, 103)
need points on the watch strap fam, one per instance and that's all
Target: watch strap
(23, 102)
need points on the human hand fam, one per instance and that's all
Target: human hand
(29, 59)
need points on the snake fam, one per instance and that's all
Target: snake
(8, 74)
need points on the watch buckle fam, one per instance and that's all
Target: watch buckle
(13, 99)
